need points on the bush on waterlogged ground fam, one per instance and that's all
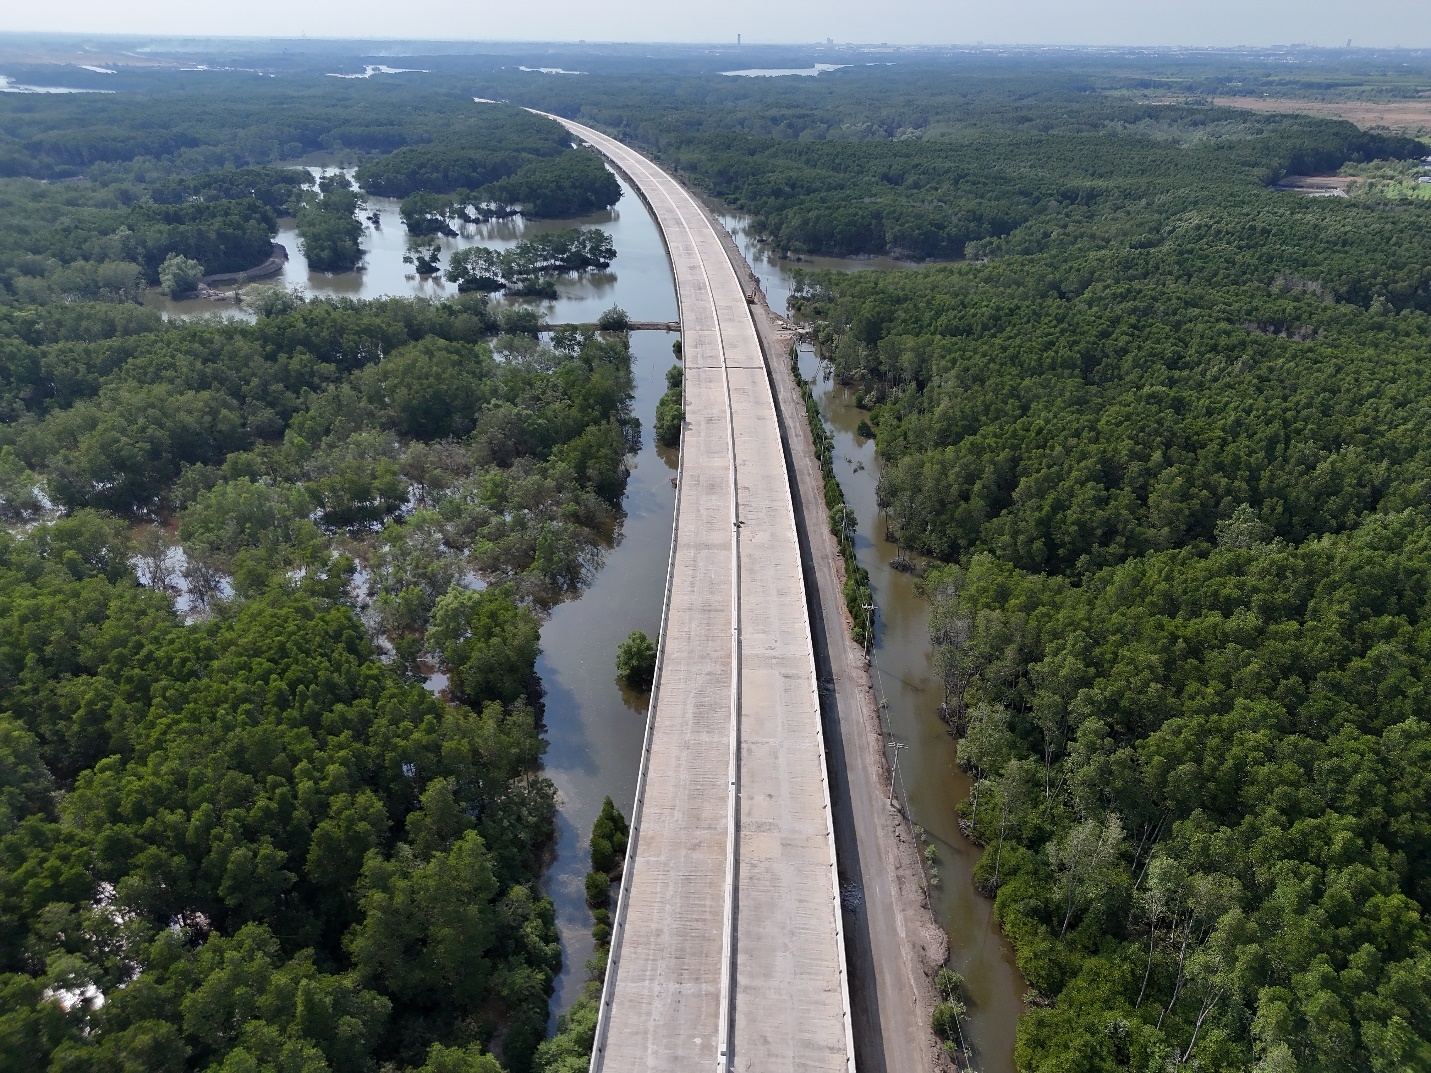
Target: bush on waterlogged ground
(636, 660)
(533, 260)
(670, 409)
(569, 1051)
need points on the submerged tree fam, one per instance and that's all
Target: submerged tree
(950, 631)
(987, 745)
(486, 642)
(614, 319)
(328, 225)
(532, 262)
(1012, 788)
(636, 660)
(608, 838)
(670, 410)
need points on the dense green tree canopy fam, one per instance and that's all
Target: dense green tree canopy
(1064, 432)
(1167, 436)
(273, 187)
(1162, 433)
(1255, 718)
(247, 798)
(233, 836)
(283, 848)
(88, 243)
(328, 225)
(502, 154)
(573, 184)
(493, 142)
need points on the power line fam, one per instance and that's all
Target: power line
(896, 778)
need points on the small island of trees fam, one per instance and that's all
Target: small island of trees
(533, 261)
(328, 225)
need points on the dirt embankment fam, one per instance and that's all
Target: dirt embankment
(277, 258)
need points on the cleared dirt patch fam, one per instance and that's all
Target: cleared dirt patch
(1408, 116)
(1317, 185)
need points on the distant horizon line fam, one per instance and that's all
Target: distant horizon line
(450, 43)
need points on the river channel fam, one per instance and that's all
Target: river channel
(932, 780)
(593, 725)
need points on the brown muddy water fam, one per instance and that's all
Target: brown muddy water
(931, 780)
(593, 725)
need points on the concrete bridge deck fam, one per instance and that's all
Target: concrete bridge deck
(727, 947)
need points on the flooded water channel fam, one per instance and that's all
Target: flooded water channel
(593, 725)
(639, 280)
(932, 779)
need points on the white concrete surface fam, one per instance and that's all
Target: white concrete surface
(727, 947)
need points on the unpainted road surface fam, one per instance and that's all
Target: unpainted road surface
(727, 947)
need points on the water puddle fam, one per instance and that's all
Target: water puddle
(9, 85)
(785, 72)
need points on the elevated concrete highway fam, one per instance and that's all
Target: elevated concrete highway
(727, 947)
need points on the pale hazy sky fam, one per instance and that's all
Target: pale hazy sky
(1405, 23)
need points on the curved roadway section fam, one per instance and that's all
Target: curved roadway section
(727, 947)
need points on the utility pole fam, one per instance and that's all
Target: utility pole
(894, 770)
